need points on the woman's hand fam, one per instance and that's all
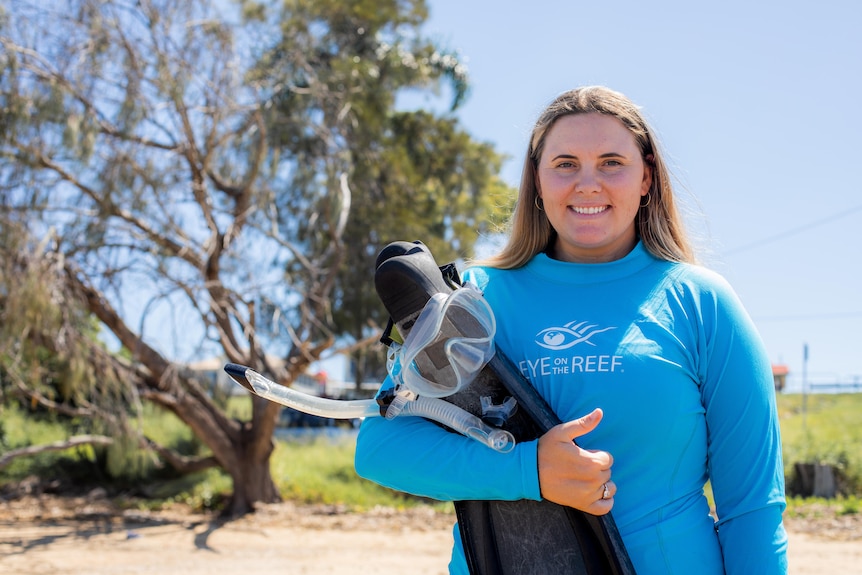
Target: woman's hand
(572, 476)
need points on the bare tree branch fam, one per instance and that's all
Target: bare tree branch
(182, 463)
(75, 441)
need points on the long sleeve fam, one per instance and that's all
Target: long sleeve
(417, 456)
(744, 446)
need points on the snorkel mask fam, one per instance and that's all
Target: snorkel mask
(448, 345)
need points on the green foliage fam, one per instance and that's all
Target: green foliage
(165, 428)
(18, 429)
(239, 407)
(122, 463)
(52, 364)
(818, 508)
(826, 431)
(850, 505)
(321, 471)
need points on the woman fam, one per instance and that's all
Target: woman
(650, 359)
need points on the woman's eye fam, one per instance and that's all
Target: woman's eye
(613, 163)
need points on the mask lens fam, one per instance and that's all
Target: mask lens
(450, 343)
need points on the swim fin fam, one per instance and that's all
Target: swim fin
(500, 537)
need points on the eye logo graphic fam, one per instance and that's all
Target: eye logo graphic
(569, 335)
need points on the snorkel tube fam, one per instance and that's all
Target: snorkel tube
(413, 394)
(304, 402)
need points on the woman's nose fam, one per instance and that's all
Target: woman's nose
(587, 181)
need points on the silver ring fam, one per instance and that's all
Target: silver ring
(606, 494)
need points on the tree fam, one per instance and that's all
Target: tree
(415, 175)
(232, 168)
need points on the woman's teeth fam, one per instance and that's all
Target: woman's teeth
(590, 210)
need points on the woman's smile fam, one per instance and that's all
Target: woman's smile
(589, 210)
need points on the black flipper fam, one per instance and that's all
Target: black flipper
(501, 537)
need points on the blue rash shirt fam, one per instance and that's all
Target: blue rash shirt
(672, 358)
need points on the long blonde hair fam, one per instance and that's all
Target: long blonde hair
(658, 223)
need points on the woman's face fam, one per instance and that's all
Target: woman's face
(591, 178)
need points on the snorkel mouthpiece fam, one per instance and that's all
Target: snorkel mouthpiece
(238, 374)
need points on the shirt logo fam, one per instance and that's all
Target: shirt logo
(569, 335)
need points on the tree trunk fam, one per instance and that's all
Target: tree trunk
(249, 464)
(242, 449)
(252, 481)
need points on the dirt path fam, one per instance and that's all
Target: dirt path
(45, 536)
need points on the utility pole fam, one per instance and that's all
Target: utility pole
(804, 384)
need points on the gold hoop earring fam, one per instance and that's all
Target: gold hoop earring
(648, 199)
(536, 203)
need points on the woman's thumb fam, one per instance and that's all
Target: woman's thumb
(583, 425)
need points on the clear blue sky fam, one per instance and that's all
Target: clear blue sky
(757, 105)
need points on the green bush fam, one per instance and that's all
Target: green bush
(823, 429)
(18, 430)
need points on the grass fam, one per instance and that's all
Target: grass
(308, 471)
(321, 471)
(817, 508)
(824, 430)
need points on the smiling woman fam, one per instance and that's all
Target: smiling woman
(651, 362)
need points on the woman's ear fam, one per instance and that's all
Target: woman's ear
(649, 165)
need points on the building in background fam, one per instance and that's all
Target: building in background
(779, 376)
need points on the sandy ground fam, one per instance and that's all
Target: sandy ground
(62, 536)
